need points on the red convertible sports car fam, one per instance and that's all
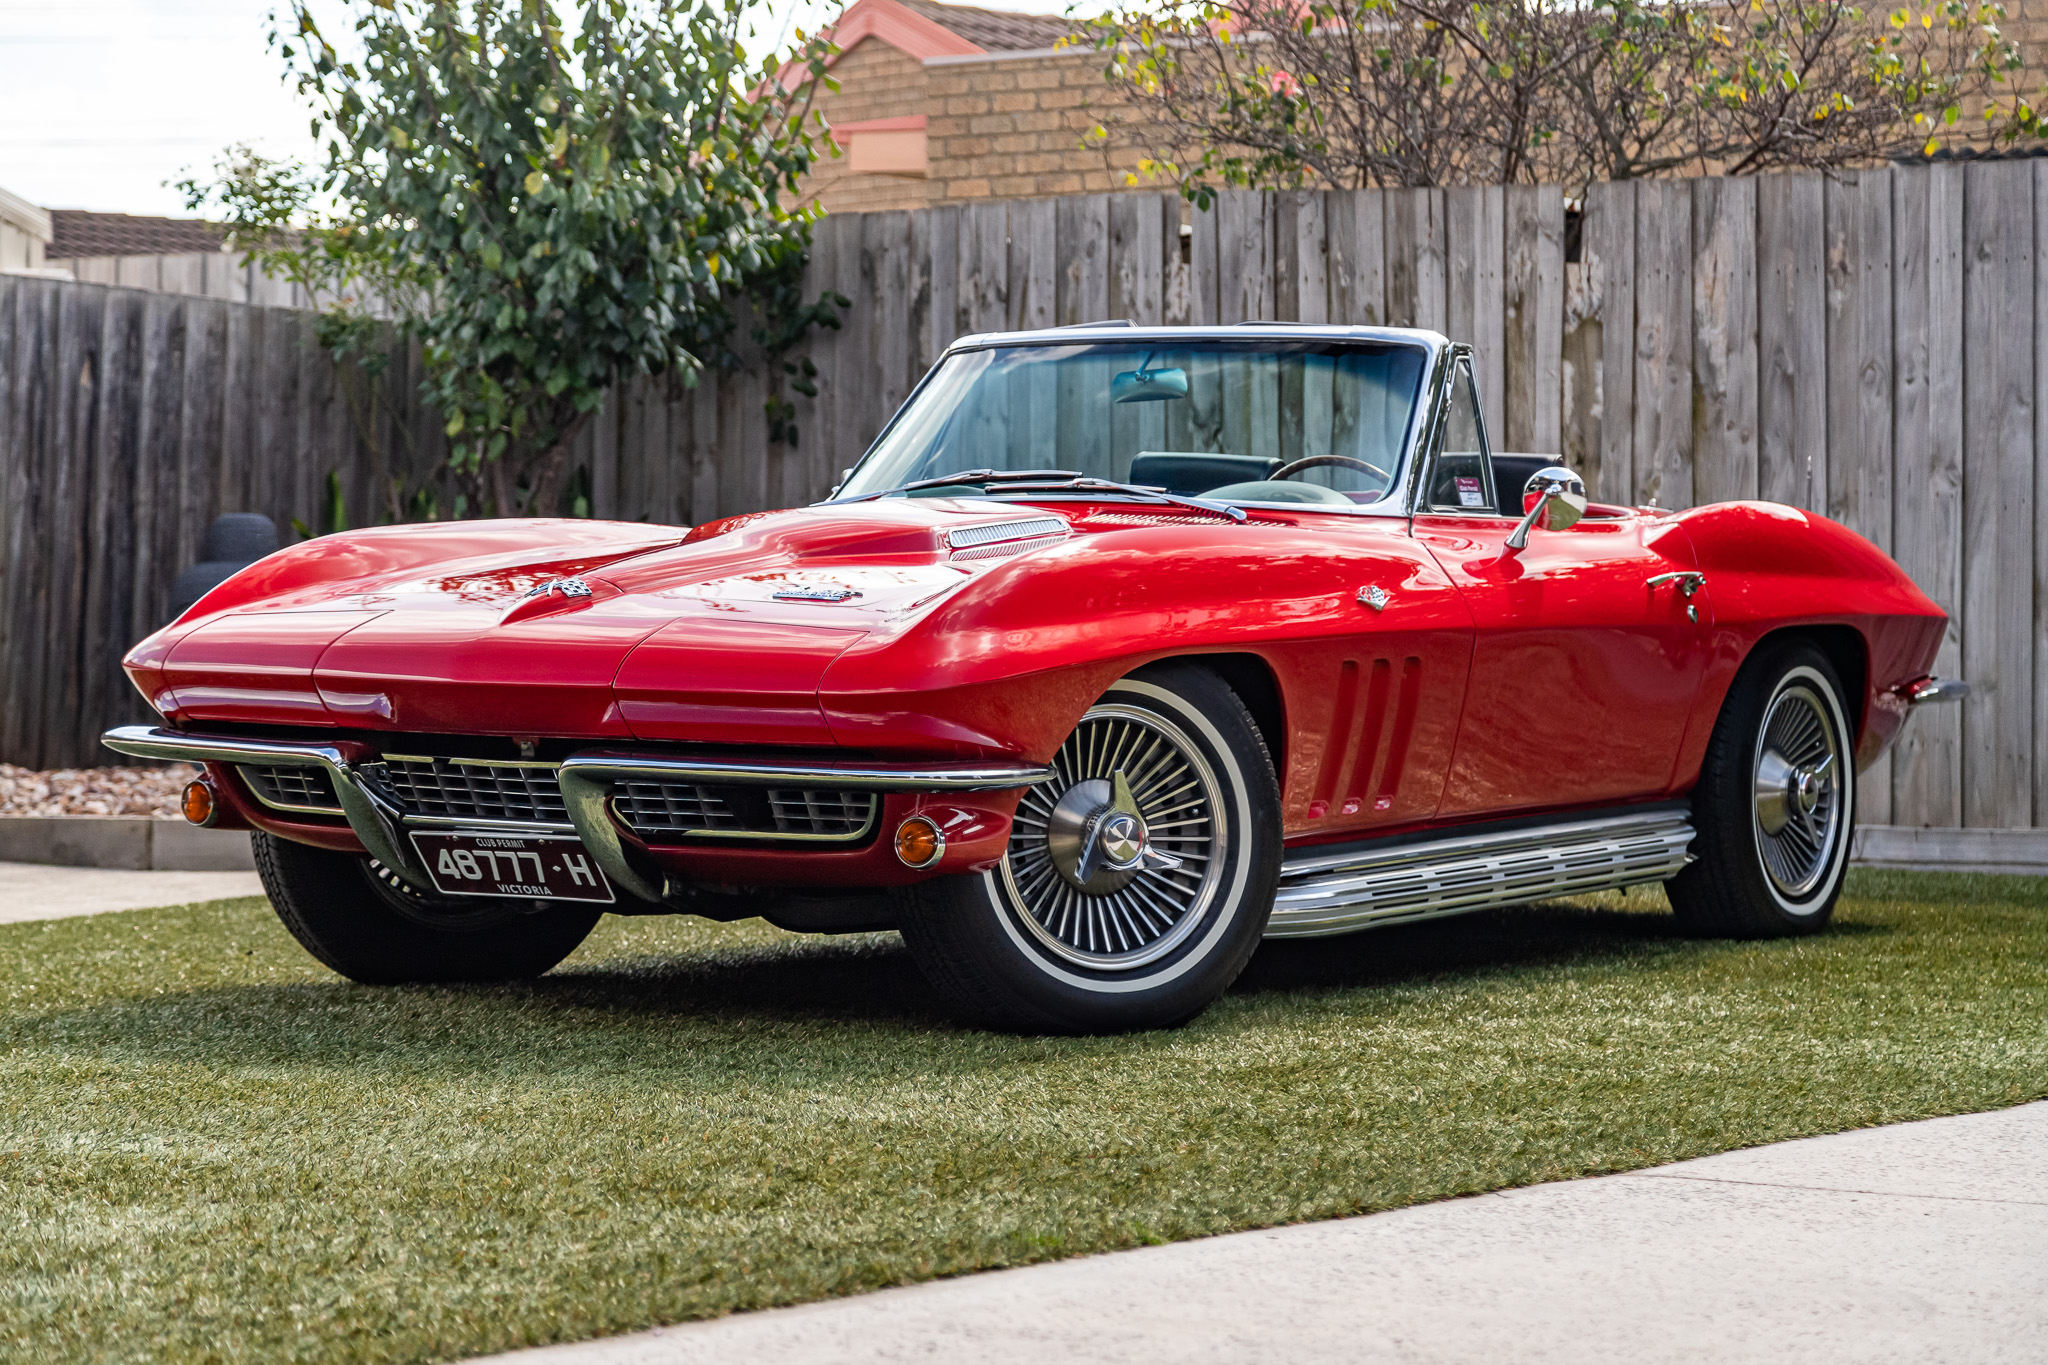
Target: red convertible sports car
(1121, 649)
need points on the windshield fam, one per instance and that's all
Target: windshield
(1242, 421)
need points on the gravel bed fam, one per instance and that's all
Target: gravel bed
(94, 791)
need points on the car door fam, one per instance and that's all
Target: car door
(1588, 643)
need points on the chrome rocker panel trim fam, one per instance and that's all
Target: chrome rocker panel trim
(585, 780)
(1342, 892)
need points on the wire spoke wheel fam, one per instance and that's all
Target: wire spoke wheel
(1797, 804)
(1116, 861)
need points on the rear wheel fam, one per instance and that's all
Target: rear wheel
(1775, 805)
(358, 917)
(1137, 883)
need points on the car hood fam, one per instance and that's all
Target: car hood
(719, 635)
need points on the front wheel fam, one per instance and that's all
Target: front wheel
(1775, 805)
(1137, 883)
(359, 918)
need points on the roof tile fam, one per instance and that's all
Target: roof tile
(74, 232)
(995, 30)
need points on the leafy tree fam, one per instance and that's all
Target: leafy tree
(1350, 93)
(547, 210)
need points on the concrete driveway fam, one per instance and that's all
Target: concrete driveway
(38, 891)
(1922, 1242)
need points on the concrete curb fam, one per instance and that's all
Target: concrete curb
(131, 843)
(2022, 852)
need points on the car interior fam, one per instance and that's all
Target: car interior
(1194, 474)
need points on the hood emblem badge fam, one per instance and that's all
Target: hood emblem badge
(803, 592)
(568, 587)
(1375, 596)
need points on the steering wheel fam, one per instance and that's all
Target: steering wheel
(1293, 467)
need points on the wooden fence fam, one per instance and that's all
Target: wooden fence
(211, 274)
(1873, 346)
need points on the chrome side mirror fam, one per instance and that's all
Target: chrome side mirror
(1554, 498)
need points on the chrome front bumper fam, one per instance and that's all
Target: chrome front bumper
(586, 781)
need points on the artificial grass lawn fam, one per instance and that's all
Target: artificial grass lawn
(212, 1149)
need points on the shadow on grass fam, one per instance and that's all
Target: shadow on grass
(827, 1002)
(1536, 936)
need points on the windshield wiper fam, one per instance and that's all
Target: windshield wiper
(1054, 480)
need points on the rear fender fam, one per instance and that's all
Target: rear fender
(1773, 571)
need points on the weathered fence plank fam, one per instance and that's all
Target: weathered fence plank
(2040, 345)
(1138, 228)
(1533, 322)
(1724, 340)
(1859, 386)
(1927, 520)
(1998, 495)
(1608, 236)
(1082, 245)
(1791, 342)
(1475, 301)
(1662, 454)
(1357, 257)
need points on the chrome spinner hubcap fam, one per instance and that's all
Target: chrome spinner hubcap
(1114, 863)
(1097, 838)
(1798, 790)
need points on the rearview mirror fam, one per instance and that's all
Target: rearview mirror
(1554, 498)
(1148, 386)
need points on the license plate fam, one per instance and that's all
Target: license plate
(552, 867)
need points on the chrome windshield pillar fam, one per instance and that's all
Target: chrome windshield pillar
(374, 820)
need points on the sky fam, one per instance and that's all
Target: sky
(103, 103)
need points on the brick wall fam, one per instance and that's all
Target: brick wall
(1013, 125)
(1006, 125)
(875, 81)
(2026, 23)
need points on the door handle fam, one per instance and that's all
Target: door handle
(1688, 582)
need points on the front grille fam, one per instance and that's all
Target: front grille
(825, 813)
(528, 793)
(653, 809)
(464, 789)
(664, 807)
(292, 788)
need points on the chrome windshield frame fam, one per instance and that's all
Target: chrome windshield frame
(1424, 423)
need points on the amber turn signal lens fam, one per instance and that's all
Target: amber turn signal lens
(918, 842)
(198, 802)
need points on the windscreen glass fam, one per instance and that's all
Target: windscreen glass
(1224, 419)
